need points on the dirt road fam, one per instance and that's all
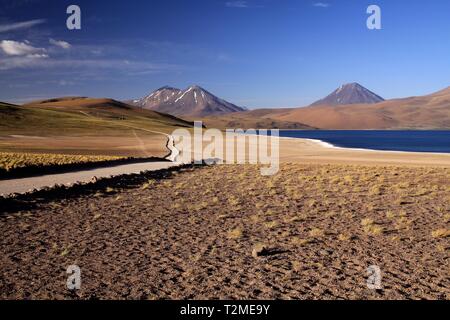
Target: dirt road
(24, 185)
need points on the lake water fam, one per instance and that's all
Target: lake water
(417, 141)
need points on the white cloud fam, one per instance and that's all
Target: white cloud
(60, 43)
(237, 4)
(321, 4)
(64, 83)
(15, 48)
(20, 25)
(18, 62)
(31, 61)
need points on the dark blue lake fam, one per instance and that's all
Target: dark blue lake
(417, 141)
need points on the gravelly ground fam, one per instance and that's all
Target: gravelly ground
(192, 234)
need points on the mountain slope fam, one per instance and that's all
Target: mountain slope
(192, 102)
(157, 97)
(253, 119)
(81, 116)
(423, 112)
(351, 93)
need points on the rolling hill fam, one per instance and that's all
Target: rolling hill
(254, 119)
(422, 112)
(85, 126)
(85, 116)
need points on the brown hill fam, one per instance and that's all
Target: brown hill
(82, 114)
(85, 126)
(423, 112)
(255, 119)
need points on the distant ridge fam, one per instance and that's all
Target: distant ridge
(351, 93)
(420, 112)
(191, 102)
(426, 112)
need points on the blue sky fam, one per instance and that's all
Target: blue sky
(255, 53)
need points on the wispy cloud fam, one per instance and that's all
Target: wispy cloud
(20, 25)
(60, 43)
(32, 62)
(321, 4)
(237, 4)
(15, 48)
(223, 57)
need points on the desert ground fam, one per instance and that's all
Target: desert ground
(131, 144)
(224, 231)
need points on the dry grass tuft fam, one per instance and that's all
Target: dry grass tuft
(271, 224)
(10, 161)
(235, 233)
(296, 241)
(366, 222)
(390, 215)
(440, 233)
(344, 237)
(316, 233)
(371, 228)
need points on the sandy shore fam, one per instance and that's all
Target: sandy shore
(300, 150)
(315, 151)
(295, 150)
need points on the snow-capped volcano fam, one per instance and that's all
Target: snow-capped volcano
(157, 97)
(351, 93)
(193, 102)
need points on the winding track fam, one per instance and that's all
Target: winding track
(24, 185)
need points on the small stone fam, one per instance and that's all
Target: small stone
(259, 250)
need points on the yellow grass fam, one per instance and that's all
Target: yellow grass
(316, 233)
(299, 242)
(441, 233)
(370, 227)
(10, 161)
(235, 233)
(344, 237)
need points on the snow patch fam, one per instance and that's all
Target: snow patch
(184, 93)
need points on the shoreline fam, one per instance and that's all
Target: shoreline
(316, 151)
(328, 145)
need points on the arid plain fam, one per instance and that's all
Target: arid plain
(222, 231)
(308, 232)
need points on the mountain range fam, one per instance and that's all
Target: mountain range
(352, 106)
(191, 102)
